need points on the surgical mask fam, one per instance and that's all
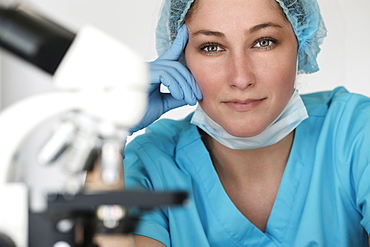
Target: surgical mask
(292, 115)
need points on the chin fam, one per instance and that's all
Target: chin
(244, 132)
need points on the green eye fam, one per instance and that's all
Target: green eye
(264, 43)
(211, 48)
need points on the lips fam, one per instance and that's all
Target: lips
(243, 105)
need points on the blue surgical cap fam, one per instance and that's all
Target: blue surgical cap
(304, 16)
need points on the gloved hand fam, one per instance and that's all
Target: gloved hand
(172, 74)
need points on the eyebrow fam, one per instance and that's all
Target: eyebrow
(263, 26)
(208, 33)
(251, 30)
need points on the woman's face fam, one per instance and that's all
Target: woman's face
(243, 54)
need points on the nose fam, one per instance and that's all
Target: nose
(241, 72)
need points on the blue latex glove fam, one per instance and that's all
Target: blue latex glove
(177, 78)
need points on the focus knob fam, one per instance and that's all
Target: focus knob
(6, 241)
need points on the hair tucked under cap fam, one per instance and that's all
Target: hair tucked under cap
(304, 16)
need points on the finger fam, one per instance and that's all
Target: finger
(170, 103)
(178, 45)
(177, 85)
(194, 86)
(168, 77)
(180, 89)
(184, 77)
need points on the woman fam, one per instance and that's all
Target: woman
(263, 166)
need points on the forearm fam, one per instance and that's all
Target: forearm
(115, 240)
(94, 182)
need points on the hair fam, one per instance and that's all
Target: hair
(194, 6)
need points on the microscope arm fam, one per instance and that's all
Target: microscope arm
(16, 123)
(101, 91)
(114, 93)
(98, 76)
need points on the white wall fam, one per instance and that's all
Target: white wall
(345, 57)
(131, 22)
(344, 60)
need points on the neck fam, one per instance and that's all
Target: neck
(252, 164)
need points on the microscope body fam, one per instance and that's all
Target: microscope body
(100, 93)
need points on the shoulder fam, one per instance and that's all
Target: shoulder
(343, 114)
(338, 104)
(152, 159)
(339, 122)
(164, 134)
(329, 98)
(160, 143)
(344, 131)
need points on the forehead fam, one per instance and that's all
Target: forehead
(228, 12)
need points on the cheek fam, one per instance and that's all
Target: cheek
(282, 77)
(289, 71)
(206, 73)
(281, 69)
(290, 62)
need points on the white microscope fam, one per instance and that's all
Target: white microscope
(95, 103)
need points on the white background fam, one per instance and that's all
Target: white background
(344, 60)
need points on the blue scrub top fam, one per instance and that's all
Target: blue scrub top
(323, 198)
